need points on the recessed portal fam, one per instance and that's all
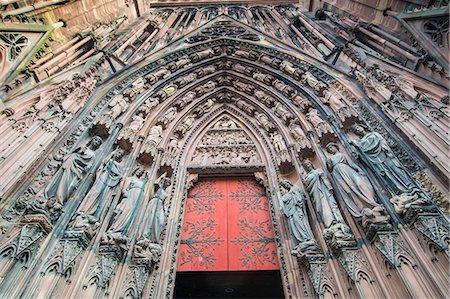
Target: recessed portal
(229, 284)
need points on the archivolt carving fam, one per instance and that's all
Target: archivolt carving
(191, 109)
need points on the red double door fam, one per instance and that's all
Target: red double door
(227, 227)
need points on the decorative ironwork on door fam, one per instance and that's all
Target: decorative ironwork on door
(227, 227)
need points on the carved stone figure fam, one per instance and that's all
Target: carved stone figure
(241, 86)
(283, 88)
(109, 176)
(239, 68)
(124, 212)
(265, 98)
(187, 123)
(144, 249)
(136, 88)
(293, 205)
(264, 121)
(205, 107)
(185, 100)
(299, 135)
(251, 55)
(156, 219)
(179, 64)
(180, 82)
(266, 78)
(203, 71)
(321, 126)
(337, 105)
(319, 189)
(153, 139)
(301, 102)
(282, 112)
(205, 88)
(154, 77)
(273, 62)
(376, 153)
(290, 69)
(278, 142)
(316, 85)
(173, 147)
(118, 105)
(130, 131)
(168, 116)
(244, 106)
(74, 167)
(355, 187)
(202, 55)
(149, 104)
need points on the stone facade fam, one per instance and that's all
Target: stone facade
(344, 124)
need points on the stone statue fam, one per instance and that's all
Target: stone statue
(125, 210)
(376, 153)
(355, 187)
(118, 105)
(149, 104)
(316, 85)
(74, 167)
(153, 139)
(319, 189)
(157, 213)
(335, 102)
(205, 107)
(264, 121)
(293, 205)
(168, 116)
(203, 71)
(244, 106)
(321, 126)
(185, 100)
(109, 176)
(299, 135)
(187, 123)
(137, 121)
(202, 55)
(282, 112)
(136, 88)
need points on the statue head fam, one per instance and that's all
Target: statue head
(166, 183)
(138, 171)
(118, 154)
(307, 164)
(95, 142)
(332, 148)
(286, 184)
(359, 129)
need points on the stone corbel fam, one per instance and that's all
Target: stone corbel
(105, 264)
(390, 245)
(430, 222)
(352, 262)
(318, 272)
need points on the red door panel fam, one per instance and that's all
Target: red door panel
(204, 233)
(251, 244)
(227, 227)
